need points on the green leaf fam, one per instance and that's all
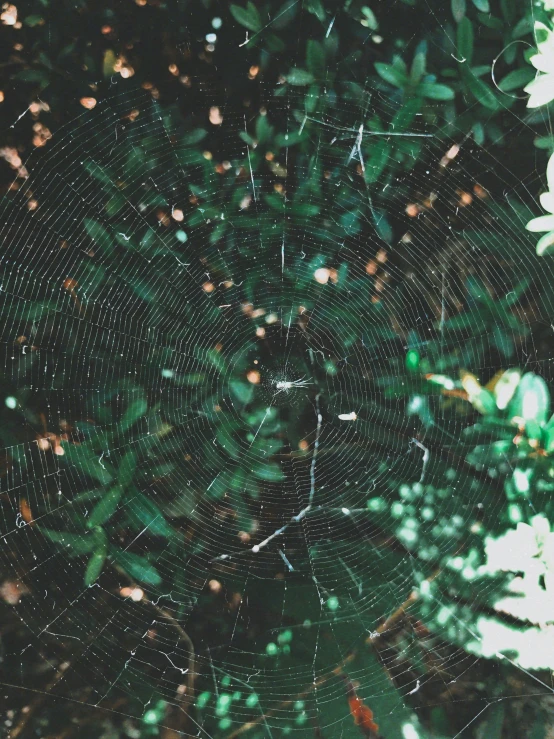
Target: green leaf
(315, 58)
(86, 461)
(76, 543)
(531, 400)
(148, 514)
(114, 205)
(305, 210)
(271, 472)
(417, 69)
(248, 17)
(105, 509)
(98, 558)
(370, 18)
(98, 233)
(135, 410)
(289, 139)
(226, 440)
(218, 487)
(404, 117)
(239, 480)
(382, 225)
(284, 15)
(266, 446)
(464, 40)
(315, 7)
(436, 91)
(242, 391)
(482, 5)
(523, 27)
(32, 75)
(94, 567)
(412, 360)
(108, 63)
(458, 9)
(100, 174)
(126, 468)
(264, 131)
(481, 69)
(505, 387)
(33, 20)
(275, 44)
(516, 79)
(509, 10)
(391, 74)
(484, 402)
(214, 358)
(137, 567)
(490, 21)
(247, 138)
(299, 77)
(193, 137)
(479, 89)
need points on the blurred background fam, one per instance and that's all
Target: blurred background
(277, 320)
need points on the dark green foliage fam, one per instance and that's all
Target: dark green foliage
(274, 291)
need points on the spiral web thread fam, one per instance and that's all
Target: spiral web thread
(202, 331)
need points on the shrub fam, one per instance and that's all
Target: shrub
(251, 287)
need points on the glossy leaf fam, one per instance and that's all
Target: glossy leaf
(105, 509)
(458, 9)
(299, 77)
(464, 40)
(134, 411)
(270, 472)
(436, 91)
(531, 401)
(391, 74)
(75, 543)
(144, 510)
(97, 560)
(505, 387)
(137, 567)
(516, 79)
(315, 59)
(248, 17)
(98, 233)
(126, 468)
(481, 91)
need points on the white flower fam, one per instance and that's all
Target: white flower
(546, 223)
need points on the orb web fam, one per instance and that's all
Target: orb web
(204, 348)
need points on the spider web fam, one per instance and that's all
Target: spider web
(252, 350)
